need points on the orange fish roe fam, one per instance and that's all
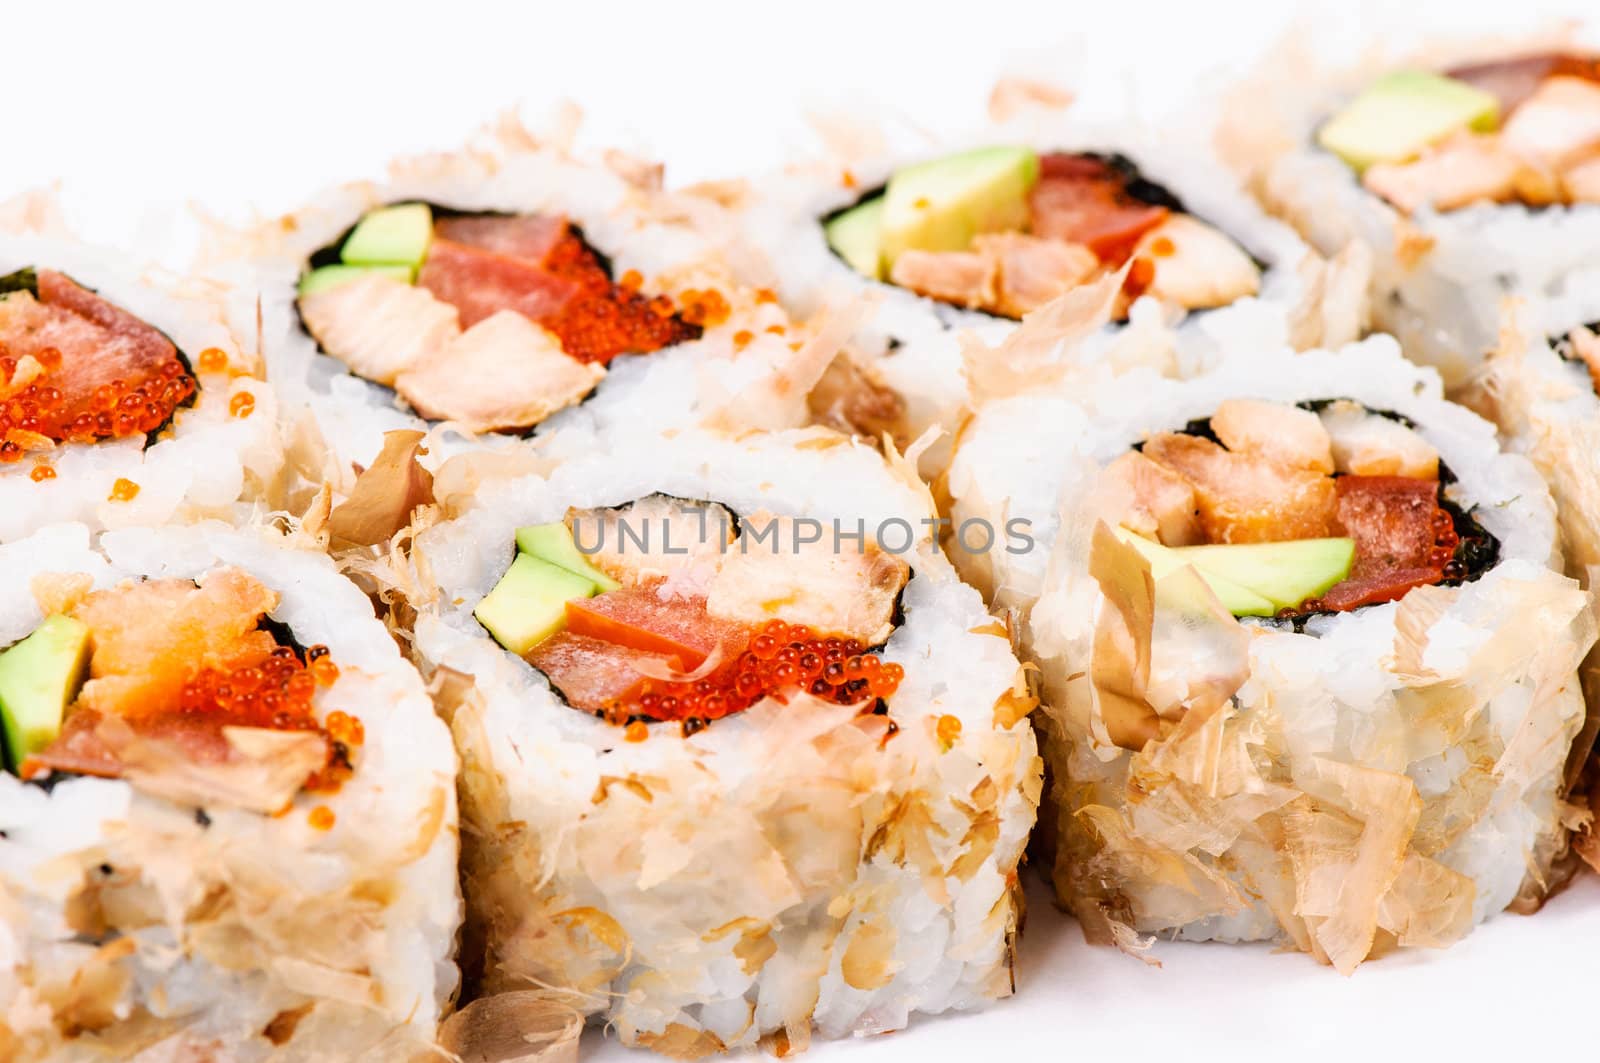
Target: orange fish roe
(636, 731)
(604, 319)
(242, 404)
(41, 473)
(705, 308)
(321, 818)
(212, 360)
(112, 411)
(631, 281)
(123, 490)
(1140, 275)
(779, 657)
(275, 694)
(947, 730)
(742, 338)
(766, 295)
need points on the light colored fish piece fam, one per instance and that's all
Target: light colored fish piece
(1581, 181)
(1246, 498)
(965, 278)
(1274, 430)
(1196, 265)
(1557, 125)
(1151, 499)
(654, 538)
(1464, 170)
(378, 326)
(1032, 271)
(505, 372)
(1367, 444)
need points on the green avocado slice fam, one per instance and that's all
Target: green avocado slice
(856, 236)
(1286, 574)
(941, 205)
(529, 604)
(553, 543)
(1165, 560)
(397, 235)
(39, 678)
(324, 277)
(1404, 112)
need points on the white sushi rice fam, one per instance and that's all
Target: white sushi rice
(1438, 279)
(913, 340)
(1468, 742)
(210, 463)
(248, 918)
(785, 867)
(622, 212)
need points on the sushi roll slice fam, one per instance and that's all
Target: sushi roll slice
(1541, 390)
(742, 757)
(975, 234)
(228, 811)
(495, 289)
(1309, 661)
(1469, 170)
(126, 397)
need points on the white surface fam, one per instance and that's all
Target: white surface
(141, 109)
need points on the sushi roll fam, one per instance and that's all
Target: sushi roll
(1469, 170)
(506, 287)
(228, 811)
(973, 234)
(742, 757)
(126, 397)
(1541, 391)
(1309, 662)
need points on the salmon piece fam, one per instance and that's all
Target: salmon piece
(378, 326)
(1367, 444)
(481, 283)
(593, 675)
(964, 278)
(150, 638)
(1082, 200)
(526, 236)
(640, 618)
(1246, 498)
(1472, 168)
(1196, 266)
(1557, 125)
(1032, 271)
(1276, 431)
(833, 588)
(1403, 538)
(1152, 500)
(505, 372)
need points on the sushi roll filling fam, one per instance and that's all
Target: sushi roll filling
(75, 368)
(669, 613)
(490, 320)
(190, 690)
(1520, 130)
(1357, 492)
(969, 232)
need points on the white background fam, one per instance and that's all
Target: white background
(144, 111)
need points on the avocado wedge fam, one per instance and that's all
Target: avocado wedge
(529, 604)
(553, 543)
(325, 277)
(1165, 560)
(39, 678)
(1404, 112)
(397, 235)
(941, 205)
(855, 236)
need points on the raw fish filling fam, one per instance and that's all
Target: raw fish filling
(1523, 130)
(1005, 231)
(1357, 492)
(182, 679)
(76, 369)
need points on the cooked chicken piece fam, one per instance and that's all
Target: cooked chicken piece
(1367, 444)
(1586, 345)
(1032, 270)
(1276, 431)
(1466, 169)
(1581, 181)
(1152, 500)
(1557, 125)
(505, 372)
(654, 538)
(378, 326)
(840, 589)
(1245, 498)
(965, 278)
(1196, 266)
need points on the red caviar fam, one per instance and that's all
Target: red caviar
(604, 319)
(212, 360)
(778, 658)
(321, 818)
(276, 694)
(41, 473)
(742, 338)
(242, 404)
(115, 410)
